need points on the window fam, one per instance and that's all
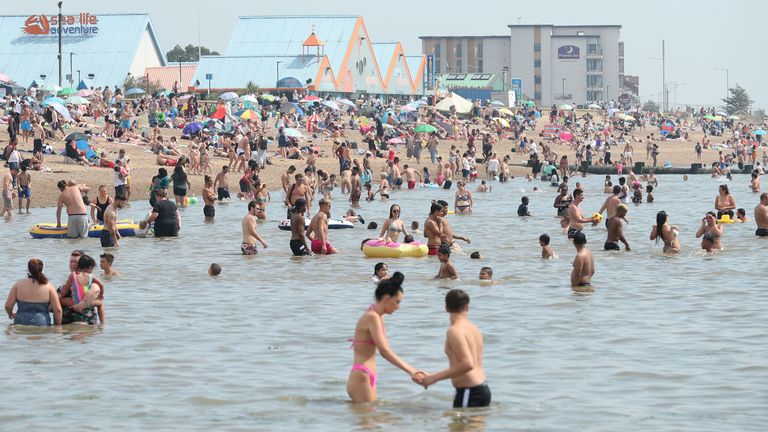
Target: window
(594, 96)
(594, 48)
(479, 56)
(621, 65)
(537, 96)
(537, 79)
(594, 65)
(537, 47)
(594, 81)
(459, 62)
(621, 49)
(436, 53)
(537, 63)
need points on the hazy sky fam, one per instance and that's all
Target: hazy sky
(700, 35)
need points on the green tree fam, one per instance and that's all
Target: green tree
(141, 82)
(188, 53)
(251, 88)
(651, 106)
(738, 100)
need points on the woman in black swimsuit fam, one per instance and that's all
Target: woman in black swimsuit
(103, 200)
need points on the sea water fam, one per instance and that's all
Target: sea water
(673, 343)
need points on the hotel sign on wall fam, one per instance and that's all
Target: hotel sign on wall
(568, 52)
(84, 24)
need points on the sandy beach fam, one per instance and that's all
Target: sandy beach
(143, 166)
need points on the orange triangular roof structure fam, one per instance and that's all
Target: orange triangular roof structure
(313, 41)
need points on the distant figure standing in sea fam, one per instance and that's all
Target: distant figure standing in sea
(583, 263)
(250, 236)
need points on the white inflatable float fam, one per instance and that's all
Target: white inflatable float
(285, 224)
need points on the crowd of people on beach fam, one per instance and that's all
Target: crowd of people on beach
(375, 168)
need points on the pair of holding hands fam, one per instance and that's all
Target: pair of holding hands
(423, 379)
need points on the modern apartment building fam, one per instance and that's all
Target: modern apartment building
(468, 54)
(547, 63)
(567, 64)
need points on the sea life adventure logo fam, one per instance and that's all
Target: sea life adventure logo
(83, 24)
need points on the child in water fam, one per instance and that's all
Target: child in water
(327, 184)
(522, 210)
(447, 270)
(214, 270)
(83, 294)
(637, 195)
(546, 250)
(649, 193)
(105, 262)
(415, 227)
(486, 274)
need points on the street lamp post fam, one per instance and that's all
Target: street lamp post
(727, 84)
(675, 85)
(71, 72)
(59, 35)
(563, 86)
(78, 77)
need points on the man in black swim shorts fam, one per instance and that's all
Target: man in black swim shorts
(464, 344)
(572, 232)
(616, 230)
(298, 241)
(209, 198)
(761, 216)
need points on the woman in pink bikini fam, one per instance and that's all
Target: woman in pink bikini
(370, 334)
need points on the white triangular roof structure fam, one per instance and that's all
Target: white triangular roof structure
(462, 105)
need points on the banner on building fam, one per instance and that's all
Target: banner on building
(568, 52)
(430, 71)
(516, 85)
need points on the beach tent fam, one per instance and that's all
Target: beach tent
(289, 82)
(462, 105)
(388, 117)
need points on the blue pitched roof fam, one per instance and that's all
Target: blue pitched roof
(235, 71)
(285, 35)
(107, 54)
(384, 52)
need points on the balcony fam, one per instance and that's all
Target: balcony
(594, 51)
(594, 72)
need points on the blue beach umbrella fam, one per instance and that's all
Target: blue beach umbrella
(228, 96)
(52, 100)
(192, 128)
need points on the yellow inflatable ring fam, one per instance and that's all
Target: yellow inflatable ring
(726, 219)
(384, 249)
